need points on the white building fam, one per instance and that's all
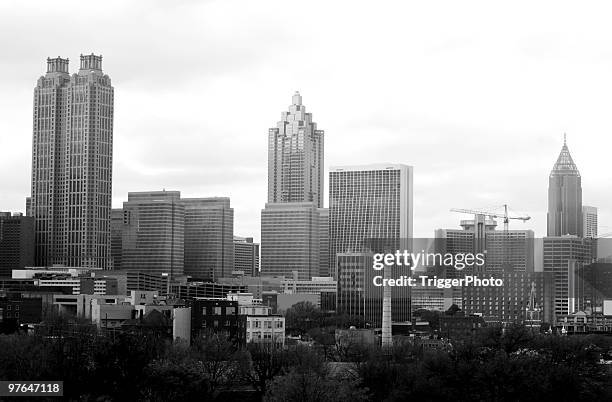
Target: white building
(261, 325)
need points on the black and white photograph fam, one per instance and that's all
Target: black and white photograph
(322, 201)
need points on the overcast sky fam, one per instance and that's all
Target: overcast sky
(475, 95)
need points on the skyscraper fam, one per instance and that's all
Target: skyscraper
(295, 157)
(72, 151)
(209, 238)
(560, 255)
(290, 221)
(589, 221)
(370, 210)
(369, 202)
(153, 233)
(564, 197)
(290, 240)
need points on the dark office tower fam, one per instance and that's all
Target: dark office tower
(209, 238)
(559, 255)
(564, 197)
(295, 157)
(246, 255)
(72, 151)
(16, 242)
(153, 233)
(117, 226)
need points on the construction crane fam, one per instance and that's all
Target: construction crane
(494, 215)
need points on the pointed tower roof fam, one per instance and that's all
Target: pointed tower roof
(565, 164)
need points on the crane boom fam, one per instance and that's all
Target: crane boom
(494, 215)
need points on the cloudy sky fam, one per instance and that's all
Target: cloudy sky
(476, 96)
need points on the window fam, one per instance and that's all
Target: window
(217, 311)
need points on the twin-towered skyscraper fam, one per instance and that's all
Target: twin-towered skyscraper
(72, 158)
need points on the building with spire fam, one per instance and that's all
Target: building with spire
(564, 245)
(295, 157)
(72, 155)
(564, 196)
(294, 233)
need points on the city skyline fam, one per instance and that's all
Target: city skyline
(510, 146)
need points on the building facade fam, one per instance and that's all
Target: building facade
(290, 240)
(17, 244)
(358, 296)
(72, 151)
(153, 233)
(324, 262)
(246, 256)
(295, 157)
(589, 221)
(209, 237)
(564, 197)
(560, 253)
(369, 204)
(524, 297)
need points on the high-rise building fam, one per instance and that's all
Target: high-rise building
(358, 296)
(153, 233)
(370, 202)
(290, 240)
(16, 242)
(246, 255)
(72, 151)
(209, 237)
(117, 227)
(560, 253)
(370, 211)
(564, 197)
(589, 222)
(295, 157)
(324, 242)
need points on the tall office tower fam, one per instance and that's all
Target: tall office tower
(369, 203)
(564, 197)
(72, 152)
(290, 240)
(370, 210)
(560, 253)
(295, 157)
(323, 241)
(117, 227)
(589, 222)
(246, 255)
(16, 242)
(153, 233)
(209, 238)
